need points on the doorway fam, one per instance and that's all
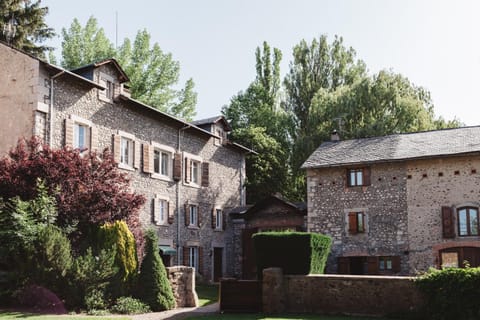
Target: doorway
(217, 264)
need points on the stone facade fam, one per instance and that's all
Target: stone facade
(402, 207)
(182, 280)
(93, 102)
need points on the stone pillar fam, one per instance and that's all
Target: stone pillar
(182, 280)
(273, 291)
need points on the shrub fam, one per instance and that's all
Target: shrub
(40, 299)
(451, 293)
(294, 252)
(95, 300)
(129, 305)
(154, 287)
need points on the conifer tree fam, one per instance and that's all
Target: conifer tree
(30, 27)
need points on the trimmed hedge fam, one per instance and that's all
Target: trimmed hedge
(451, 293)
(294, 252)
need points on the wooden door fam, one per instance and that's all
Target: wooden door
(249, 268)
(217, 264)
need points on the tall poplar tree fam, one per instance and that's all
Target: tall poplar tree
(28, 17)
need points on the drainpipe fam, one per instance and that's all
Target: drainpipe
(50, 108)
(182, 165)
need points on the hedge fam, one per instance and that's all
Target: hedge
(294, 252)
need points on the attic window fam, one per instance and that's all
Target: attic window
(108, 82)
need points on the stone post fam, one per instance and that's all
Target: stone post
(273, 291)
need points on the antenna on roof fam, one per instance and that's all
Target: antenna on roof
(116, 29)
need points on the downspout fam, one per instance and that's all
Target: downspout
(182, 165)
(51, 107)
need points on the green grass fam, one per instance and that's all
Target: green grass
(14, 315)
(207, 293)
(292, 317)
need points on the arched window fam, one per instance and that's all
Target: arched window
(467, 221)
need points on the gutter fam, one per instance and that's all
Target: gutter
(182, 165)
(50, 107)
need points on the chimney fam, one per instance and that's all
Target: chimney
(335, 137)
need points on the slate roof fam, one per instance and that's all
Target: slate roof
(397, 147)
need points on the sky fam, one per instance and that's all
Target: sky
(435, 44)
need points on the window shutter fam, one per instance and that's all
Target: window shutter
(200, 260)
(347, 175)
(171, 213)
(136, 154)
(186, 257)
(352, 222)
(102, 93)
(214, 218)
(366, 176)
(69, 132)
(156, 210)
(187, 215)
(372, 265)
(93, 138)
(447, 222)
(396, 264)
(224, 220)
(147, 163)
(116, 147)
(343, 265)
(205, 171)
(177, 167)
(187, 170)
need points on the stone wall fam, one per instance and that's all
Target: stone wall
(384, 203)
(339, 294)
(182, 280)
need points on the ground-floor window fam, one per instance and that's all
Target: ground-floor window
(362, 265)
(460, 257)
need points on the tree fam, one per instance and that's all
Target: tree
(82, 46)
(153, 74)
(155, 289)
(31, 29)
(89, 189)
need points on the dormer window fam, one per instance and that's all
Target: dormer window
(108, 82)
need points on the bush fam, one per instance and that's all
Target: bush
(95, 300)
(294, 252)
(40, 299)
(451, 293)
(154, 287)
(129, 305)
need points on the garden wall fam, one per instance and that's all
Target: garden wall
(338, 294)
(182, 280)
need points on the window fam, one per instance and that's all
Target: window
(126, 151)
(108, 82)
(161, 162)
(194, 171)
(218, 219)
(193, 257)
(385, 264)
(467, 221)
(109, 89)
(81, 136)
(356, 222)
(193, 213)
(161, 211)
(358, 177)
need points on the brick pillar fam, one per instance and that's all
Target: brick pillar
(273, 291)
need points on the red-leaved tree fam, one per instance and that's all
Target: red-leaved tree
(88, 187)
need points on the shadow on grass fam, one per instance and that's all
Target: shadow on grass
(207, 294)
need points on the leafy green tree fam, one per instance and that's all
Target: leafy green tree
(31, 29)
(84, 45)
(153, 73)
(154, 287)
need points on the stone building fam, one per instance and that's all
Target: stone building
(190, 175)
(397, 204)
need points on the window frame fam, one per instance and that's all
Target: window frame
(169, 153)
(468, 222)
(189, 170)
(385, 264)
(358, 176)
(360, 222)
(129, 150)
(218, 219)
(193, 257)
(109, 83)
(78, 122)
(193, 215)
(161, 210)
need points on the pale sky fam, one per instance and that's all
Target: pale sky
(436, 44)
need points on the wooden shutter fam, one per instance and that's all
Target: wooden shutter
(156, 210)
(186, 257)
(93, 138)
(347, 175)
(102, 93)
(69, 132)
(205, 172)
(187, 215)
(136, 154)
(171, 213)
(366, 176)
(352, 222)
(187, 170)
(147, 159)
(396, 264)
(200, 260)
(116, 147)
(177, 167)
(447, 222)
(224, 220)
(214, 218)
(343, 265)
(372, 265)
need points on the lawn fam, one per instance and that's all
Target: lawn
(13, 315)
(207, 293)
(292, 317)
